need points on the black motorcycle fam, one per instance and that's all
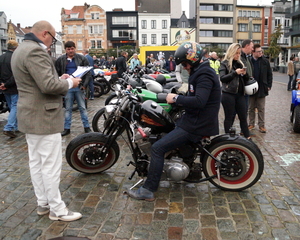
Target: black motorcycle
(3, 104)
(228, 161)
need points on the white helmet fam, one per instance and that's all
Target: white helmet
(251, 86)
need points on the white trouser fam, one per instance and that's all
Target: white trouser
(45, 160)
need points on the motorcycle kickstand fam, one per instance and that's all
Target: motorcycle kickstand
(137, 183)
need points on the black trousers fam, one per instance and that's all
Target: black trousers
(235, 103)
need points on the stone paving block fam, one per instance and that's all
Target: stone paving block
(191, 213)
(175, 233)
(144, 218)
(176, 207)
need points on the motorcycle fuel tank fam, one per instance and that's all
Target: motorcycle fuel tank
(154, 116)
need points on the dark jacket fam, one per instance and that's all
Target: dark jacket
(80, 60)
(202, 103)
(231, 81)
(6, 75)
(121, 65)
(168, 65)
(262, 73)
(247, 64)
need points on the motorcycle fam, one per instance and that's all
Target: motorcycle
(3, 104)
(143, 94)
(228, 161)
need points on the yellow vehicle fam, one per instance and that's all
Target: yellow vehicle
(157, 51)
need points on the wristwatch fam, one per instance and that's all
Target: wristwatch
(175, 98)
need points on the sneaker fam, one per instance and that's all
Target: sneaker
(42, 210)
(262, 130)
(66, 132)
(11, 134)
(87, 130)
(250, 127)
(91, 98)
(141, 194)
(68, 217)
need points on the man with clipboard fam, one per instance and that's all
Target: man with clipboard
(69, 63)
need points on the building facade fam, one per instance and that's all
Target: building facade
(84, 25)
(3, 32)
(215, 23)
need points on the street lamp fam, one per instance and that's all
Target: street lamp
(250, 28)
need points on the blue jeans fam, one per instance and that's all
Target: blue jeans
(91, 87)
(75, 93)
(172, 140)
(12, 124)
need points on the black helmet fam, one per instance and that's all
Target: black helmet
(161, 79)
(190, 52)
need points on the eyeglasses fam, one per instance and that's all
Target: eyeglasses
(54, 40)
(259, 51)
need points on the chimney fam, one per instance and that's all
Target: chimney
(18, 25)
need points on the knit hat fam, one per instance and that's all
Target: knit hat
(12, 44)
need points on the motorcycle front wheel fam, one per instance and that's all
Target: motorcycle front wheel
(244, 164)
(83, 153)
(98, 89)
(105, 84)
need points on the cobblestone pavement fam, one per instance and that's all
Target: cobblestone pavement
(268, 210)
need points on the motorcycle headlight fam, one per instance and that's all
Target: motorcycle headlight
(109, 108)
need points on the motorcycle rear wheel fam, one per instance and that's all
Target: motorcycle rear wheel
(244, 164)
(98, 89)
(83, 153)
(105, 84)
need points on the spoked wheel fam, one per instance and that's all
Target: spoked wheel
(113, 83)
(99, 120)
(83, 153)
(98, 89)
(244, 164)
(105, 84)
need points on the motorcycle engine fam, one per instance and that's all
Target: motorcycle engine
(175, 169)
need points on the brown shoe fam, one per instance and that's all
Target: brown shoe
(10, 134)
(262, 130)
(250, 127)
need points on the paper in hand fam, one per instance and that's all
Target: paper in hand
(81, 71)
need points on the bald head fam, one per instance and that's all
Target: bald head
(42, 26)
(44, 31)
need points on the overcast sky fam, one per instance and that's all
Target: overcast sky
(27, 12)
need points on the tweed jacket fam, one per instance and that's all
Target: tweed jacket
(40, 106)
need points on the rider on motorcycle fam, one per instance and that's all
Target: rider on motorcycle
(200, 119)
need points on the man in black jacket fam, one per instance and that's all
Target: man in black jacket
(121, 65)
(200, 119)
(68, 63)
(262, 73)
(9, 88)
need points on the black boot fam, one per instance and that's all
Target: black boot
(87, 130)
(66, 132)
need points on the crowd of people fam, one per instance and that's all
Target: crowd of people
(34, 86)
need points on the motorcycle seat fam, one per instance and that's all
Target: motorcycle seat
(168, 80)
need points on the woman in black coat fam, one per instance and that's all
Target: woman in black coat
(233, 76)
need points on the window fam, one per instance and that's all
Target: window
(164, 24)
(79, 29)
(223, 33)
(257, 14)
(206, 20)
(144, 38)
(206, 7)
(256, 28)
(183, 24)
(93, 45)
(74, 15)
(277, 22)
(248, 13)
(96, 29)
(224, 7)
(153, 38)
(144, 24)
(129, 34)
(131, 21)
(240, 13)
(256, 41)
(242, 27)
(266, 21)
(244, 13)
(70, 29)
(95, 15)
(153, 24)
(206, 33)
(223, 20)
(79, 45)
(164, 39)
(287, 22)
(99, 44)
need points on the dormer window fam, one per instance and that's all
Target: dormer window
(74, 15)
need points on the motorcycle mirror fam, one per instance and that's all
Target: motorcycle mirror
(139, 89)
